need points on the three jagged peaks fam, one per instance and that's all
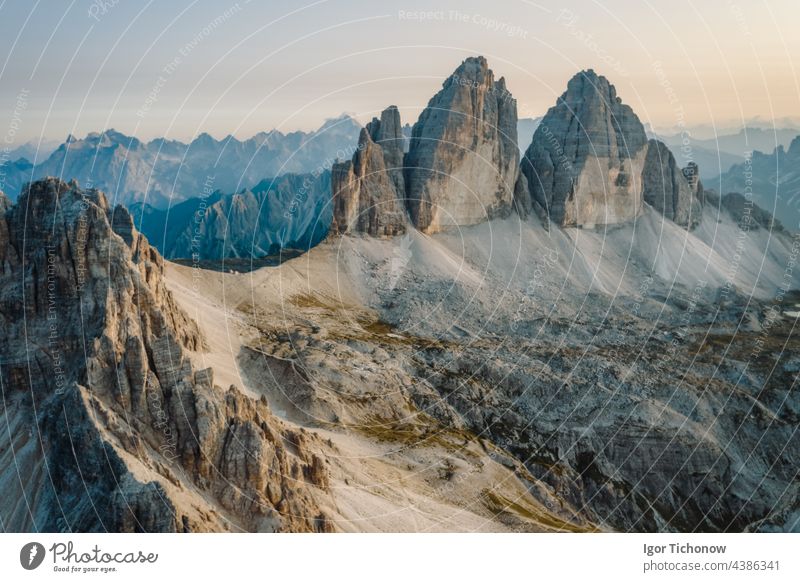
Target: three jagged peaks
(589, 163)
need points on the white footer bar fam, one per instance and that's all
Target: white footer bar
(401, 557)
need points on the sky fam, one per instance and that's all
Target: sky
(183, 67)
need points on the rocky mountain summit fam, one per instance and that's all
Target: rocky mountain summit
(674, 192)
(587, 154)
(463, 159)
(590, 162)
(460, 169)
(369, 191)
(109, 424)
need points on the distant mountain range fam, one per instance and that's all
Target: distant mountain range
(774, 179)
(291, 211)
(163, 172)
(717, 155)
(33, 149)
(213, 199)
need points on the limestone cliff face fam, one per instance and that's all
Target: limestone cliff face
(463, 160)
(584, 164)
(590, 162)
(114, 428)
(387, 132)
(368, 191)
(668, 189)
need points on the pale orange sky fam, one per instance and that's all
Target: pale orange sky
(250, 67)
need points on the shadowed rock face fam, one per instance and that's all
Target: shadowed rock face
(668, 189)
(590, 162)
(586, 157)
(463, 159)
(368, 191)
(291, 211)
(112, 426)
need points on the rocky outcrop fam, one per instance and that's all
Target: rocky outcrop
(463, 159)
(692, 174)
(667, 188)
(368, 191)
(584, 164)
(129, 436)
(748, 215)
(387, 132)
(590, 163)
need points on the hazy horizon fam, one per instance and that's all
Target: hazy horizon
(242, 68)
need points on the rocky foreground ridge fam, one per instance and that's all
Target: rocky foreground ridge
(108, 423)
(110, 426)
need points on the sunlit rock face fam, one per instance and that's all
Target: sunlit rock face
(463, 159)
(114, 427)
(368, 191)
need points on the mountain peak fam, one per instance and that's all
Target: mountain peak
(473, 65)
(590, 162)
(473, 70)
(368, 191)
(466, 135)
(794, 148)
(204, 138)
(588, 85)
(341, 121)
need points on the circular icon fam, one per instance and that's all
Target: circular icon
(31, 555)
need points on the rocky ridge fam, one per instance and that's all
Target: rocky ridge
(589, 163)
(770, 179)
(290, 211)
(164, 172)
(460, 169)
(95, 360)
